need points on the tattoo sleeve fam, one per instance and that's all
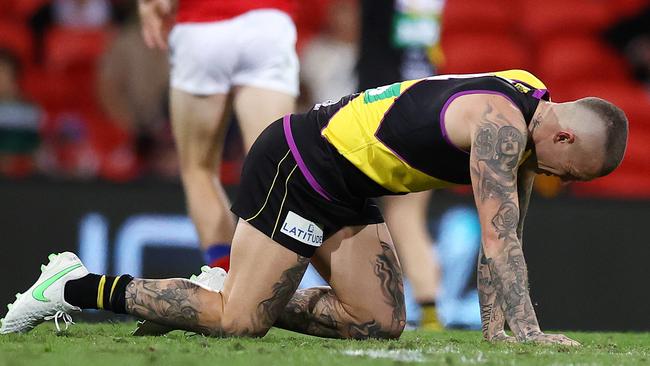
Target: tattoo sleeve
(497, 147)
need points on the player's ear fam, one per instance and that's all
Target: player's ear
(564, 137)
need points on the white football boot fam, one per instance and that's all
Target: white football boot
(209, 278)
(45, 300)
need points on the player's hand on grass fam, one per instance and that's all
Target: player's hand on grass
(501, 336)
(543, 338)
(156, 17)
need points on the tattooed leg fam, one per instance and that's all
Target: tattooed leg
(271, 308)
(370, 306)
(177, 303)
(262, 279)
(184, 305)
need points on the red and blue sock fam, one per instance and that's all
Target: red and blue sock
(218, 255)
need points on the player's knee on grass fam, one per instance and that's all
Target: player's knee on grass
(246, 319)
(356, 322)
(243, 325)
(380, 325)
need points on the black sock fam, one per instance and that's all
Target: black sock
(98, 292)
(430, 303)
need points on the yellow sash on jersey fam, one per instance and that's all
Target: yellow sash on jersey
(352, 132)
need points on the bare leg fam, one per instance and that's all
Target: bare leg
(177, 303)
(256, 108)
(263, 277)
(406, 216)
(366, 299)
(199, 125)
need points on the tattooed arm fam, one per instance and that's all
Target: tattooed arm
(492, 318)
(498, 144)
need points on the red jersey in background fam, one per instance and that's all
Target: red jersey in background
(192, 11)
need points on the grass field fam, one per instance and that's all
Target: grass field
(111, 344)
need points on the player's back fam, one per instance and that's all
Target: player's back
(396, 134)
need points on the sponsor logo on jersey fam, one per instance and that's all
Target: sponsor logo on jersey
(522, 88)
(302, 230)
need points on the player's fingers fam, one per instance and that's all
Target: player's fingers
(567, 341)
(160, 38)
(503, 337)
(560, 339)
(165, 7)
(153, 33)
(146, 35)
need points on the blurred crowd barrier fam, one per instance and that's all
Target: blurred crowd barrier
(82, 98)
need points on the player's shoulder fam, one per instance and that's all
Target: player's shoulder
(495, 107)
(497, 111)
(523, 76)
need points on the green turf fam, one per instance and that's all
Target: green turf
(111, 344)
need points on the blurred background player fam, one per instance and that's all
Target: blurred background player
(399, 41)
(227, 54)
(19, 120)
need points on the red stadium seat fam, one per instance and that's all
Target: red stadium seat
(626, 94)
(482, 52)
(309, 18)
(60, 90)
(26, 8)
(578, 59)
(463, 16)
(7, 9)
(617, 185)
(557, 18)
(70, 69)
(16, 37)
(85, 142)
(68, 49)
(624, 8)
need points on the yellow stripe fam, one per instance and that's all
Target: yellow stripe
(283, 198)
(110, 297)
(100, 293)
(277, 171)
(521, 75)
(358, 143)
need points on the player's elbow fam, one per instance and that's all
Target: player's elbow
(374, 330)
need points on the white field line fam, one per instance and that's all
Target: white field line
(402, 355)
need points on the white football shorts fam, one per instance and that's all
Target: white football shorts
(257, 48)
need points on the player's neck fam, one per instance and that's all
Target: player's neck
(543, 117)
